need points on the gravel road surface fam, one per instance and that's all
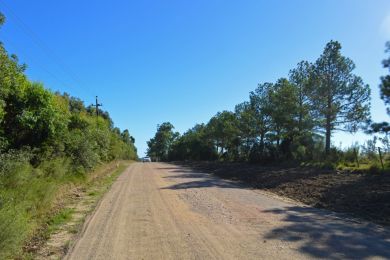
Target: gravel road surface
(163, 211)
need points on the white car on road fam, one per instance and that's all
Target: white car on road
(146, 159)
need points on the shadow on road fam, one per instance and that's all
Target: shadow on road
(201, 182)
(316, 232)
(322, 235)
(167, 168)
(195, 179)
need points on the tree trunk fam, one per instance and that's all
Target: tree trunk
(300, 119)
(327, 139)
(277, 144)
(261, 144)
(328, 127)
(248, 150)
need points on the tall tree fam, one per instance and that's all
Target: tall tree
(127, 138)
(160, 144)
(300, 77)
(284, 100)
(12, 84)
(193, 145)
(341, 98)
(246, 122)
(385, 80)
(260, 102)
(384, 127)
(222, 128)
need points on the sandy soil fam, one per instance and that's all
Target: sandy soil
(162, 211)
(360, 194)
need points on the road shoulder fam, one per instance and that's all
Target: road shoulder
(66, 226)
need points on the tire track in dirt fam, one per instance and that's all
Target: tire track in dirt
(162, 211)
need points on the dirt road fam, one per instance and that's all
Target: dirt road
(162, 211)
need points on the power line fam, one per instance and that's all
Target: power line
(41, 66)
(63, 83)
(43, 46)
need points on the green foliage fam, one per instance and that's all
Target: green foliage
(292, 119)
(341, 99)
(13, 226)
(385, 80)
(246, 126)
(302, 80)
(284, 101)
(46, 139)
(384, 127)
(160, 145)
(193, 145)
(25, 196)
(60, 218)
(31, 117)
(369, 149)
(351, 155)
(222, 130)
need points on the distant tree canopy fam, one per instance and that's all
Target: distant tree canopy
(385, 80)
(54, 125)
(384, 127)
(293, 118)
(160, 145)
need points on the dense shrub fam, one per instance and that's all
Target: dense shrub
(46, 140)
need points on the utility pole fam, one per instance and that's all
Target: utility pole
(97, 105)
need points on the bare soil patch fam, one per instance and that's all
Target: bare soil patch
(358, 194)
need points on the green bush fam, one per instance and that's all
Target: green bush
(349, 155)
(82, 149)
(300, 153)
(46, 140)
(14, 227)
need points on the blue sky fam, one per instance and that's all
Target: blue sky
(183, 61)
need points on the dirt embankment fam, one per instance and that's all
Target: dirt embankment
(361, 195)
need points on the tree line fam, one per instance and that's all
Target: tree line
(293, 118)
(47, 141)
(49, 125)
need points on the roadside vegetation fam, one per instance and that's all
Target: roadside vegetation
(290, 121)
(47, 141)
(73, 205)
(280, 140)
